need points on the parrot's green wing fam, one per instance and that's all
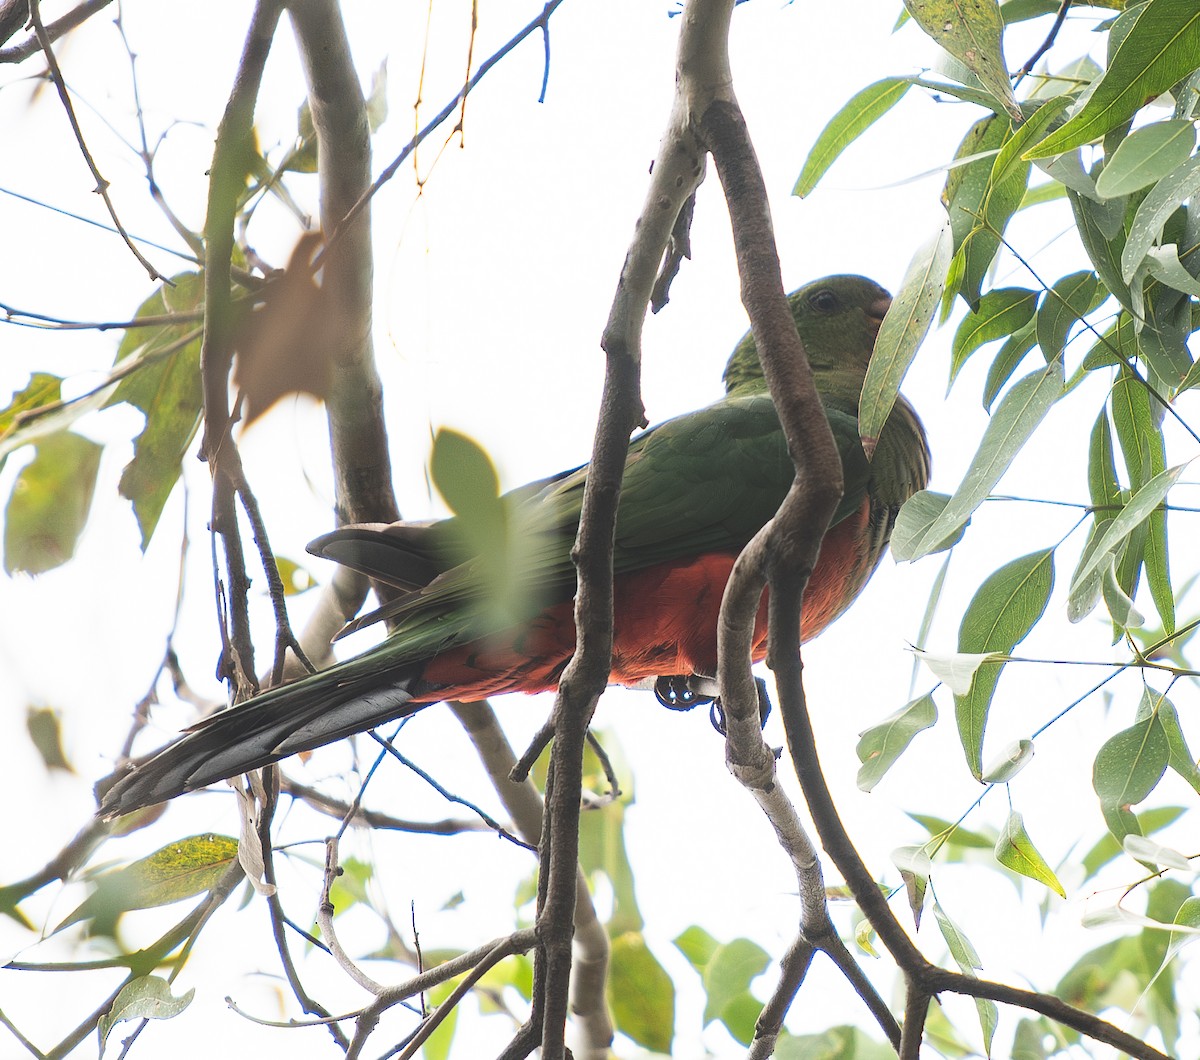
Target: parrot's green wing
(703, 482)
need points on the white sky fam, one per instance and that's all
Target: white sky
(492, 289)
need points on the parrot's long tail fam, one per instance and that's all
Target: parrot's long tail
(327, 706)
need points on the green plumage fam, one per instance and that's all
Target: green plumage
(696, 486)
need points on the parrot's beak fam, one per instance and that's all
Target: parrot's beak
(876, 311)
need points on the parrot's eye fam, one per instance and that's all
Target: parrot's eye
(824, 301)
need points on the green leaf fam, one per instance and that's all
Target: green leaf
(956, 835)
(1008, 358)
(697, 945)
(1108, 847)
(1139, 429)
(1012, 424)
(1163, 264)
(1105, 494)
(967, 183)
(1159, 50)
(1006, 186)
(1103, 246)
(1138, 420)
(349, 888)
(44, 726)
(1180, 759)
(1145, 156)
(146, 997)
(967, 959)
(1015, 850)
(49, 505)
(602, 850)
(1127, 768)
(1013, 11)
(915, 865)
(881, 745)
(904, 327)
(437, 1045)
(1136, 512)
(172, 873)
(42, 390)
(727, 978)
(973, 35)
(1117, 344)
(917, 515)
(1068, 172)
(1000, 313)
(1164, 199)
(1002, 612)
(166, 388)
(1121, 608)
(464, 475)
(1067, 302)
(641, 995)
(856, 117)
(1103, 489)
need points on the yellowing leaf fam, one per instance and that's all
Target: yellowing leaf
(49, 505)
(1015, 850)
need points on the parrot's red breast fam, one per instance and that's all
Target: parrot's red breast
(664, 622)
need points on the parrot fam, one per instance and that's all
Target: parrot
(485, 604)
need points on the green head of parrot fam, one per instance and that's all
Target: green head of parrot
(838, 318)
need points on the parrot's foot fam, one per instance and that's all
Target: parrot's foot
(685, 691)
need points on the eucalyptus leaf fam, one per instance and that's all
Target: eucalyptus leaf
(1176, 187)
(1145, 156)
(904, 327)
(974, 36)
(1000, 615)
(881, 745)
(861, 112)
(1015, 850)
(1012, 424)
(1159, 49)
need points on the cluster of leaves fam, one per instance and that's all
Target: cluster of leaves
(1117, 141)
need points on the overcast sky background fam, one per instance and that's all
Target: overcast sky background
(493, 286)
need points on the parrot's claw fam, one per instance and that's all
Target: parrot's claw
(683, 692)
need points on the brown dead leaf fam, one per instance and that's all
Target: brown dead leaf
(289, 343)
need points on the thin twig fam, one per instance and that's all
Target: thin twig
(540, 22)
(484, 816)
(44, 40)
(374, 819)
(1048, 43)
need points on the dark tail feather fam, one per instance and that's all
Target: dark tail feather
(317, 710)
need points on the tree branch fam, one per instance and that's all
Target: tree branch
(357, 431)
